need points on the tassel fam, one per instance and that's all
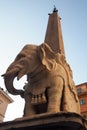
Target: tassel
(33, 99)
(43, 98)
(39, 99)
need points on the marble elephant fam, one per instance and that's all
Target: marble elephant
(50, 87)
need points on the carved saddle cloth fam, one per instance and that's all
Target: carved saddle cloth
(37, 94)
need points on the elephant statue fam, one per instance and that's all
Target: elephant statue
(50, 87)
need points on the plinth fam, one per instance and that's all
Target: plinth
(58, 121)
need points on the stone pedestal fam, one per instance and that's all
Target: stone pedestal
(58, 121)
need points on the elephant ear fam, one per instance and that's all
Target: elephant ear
(47, 56)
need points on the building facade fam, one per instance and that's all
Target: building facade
(4, 101)
(82, 94)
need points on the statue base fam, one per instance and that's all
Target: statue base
(58, 121)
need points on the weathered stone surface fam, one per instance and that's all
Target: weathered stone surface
(58, 121)
(50, 86)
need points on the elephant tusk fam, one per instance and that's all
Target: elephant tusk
(3, 75)
(20, 74)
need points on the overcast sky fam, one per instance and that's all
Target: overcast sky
(25, 21)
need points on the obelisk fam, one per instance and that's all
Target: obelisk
(53, 35)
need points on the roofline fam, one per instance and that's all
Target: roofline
(81, 84)
(6, 95)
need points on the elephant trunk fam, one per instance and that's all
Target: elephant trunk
(9, 79)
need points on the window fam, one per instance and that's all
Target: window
(82, 102)
(79, 90)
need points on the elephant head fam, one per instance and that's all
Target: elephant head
(32, 59)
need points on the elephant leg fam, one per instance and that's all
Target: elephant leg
(29, 108)
(55, 95)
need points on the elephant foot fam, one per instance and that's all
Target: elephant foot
(29, 114)
(53, 110)
(29, 111)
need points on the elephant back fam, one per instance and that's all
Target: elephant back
(60, 59)
(68, 77)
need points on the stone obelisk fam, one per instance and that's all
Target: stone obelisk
(54, 33)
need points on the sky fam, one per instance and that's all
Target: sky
(25, 21)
